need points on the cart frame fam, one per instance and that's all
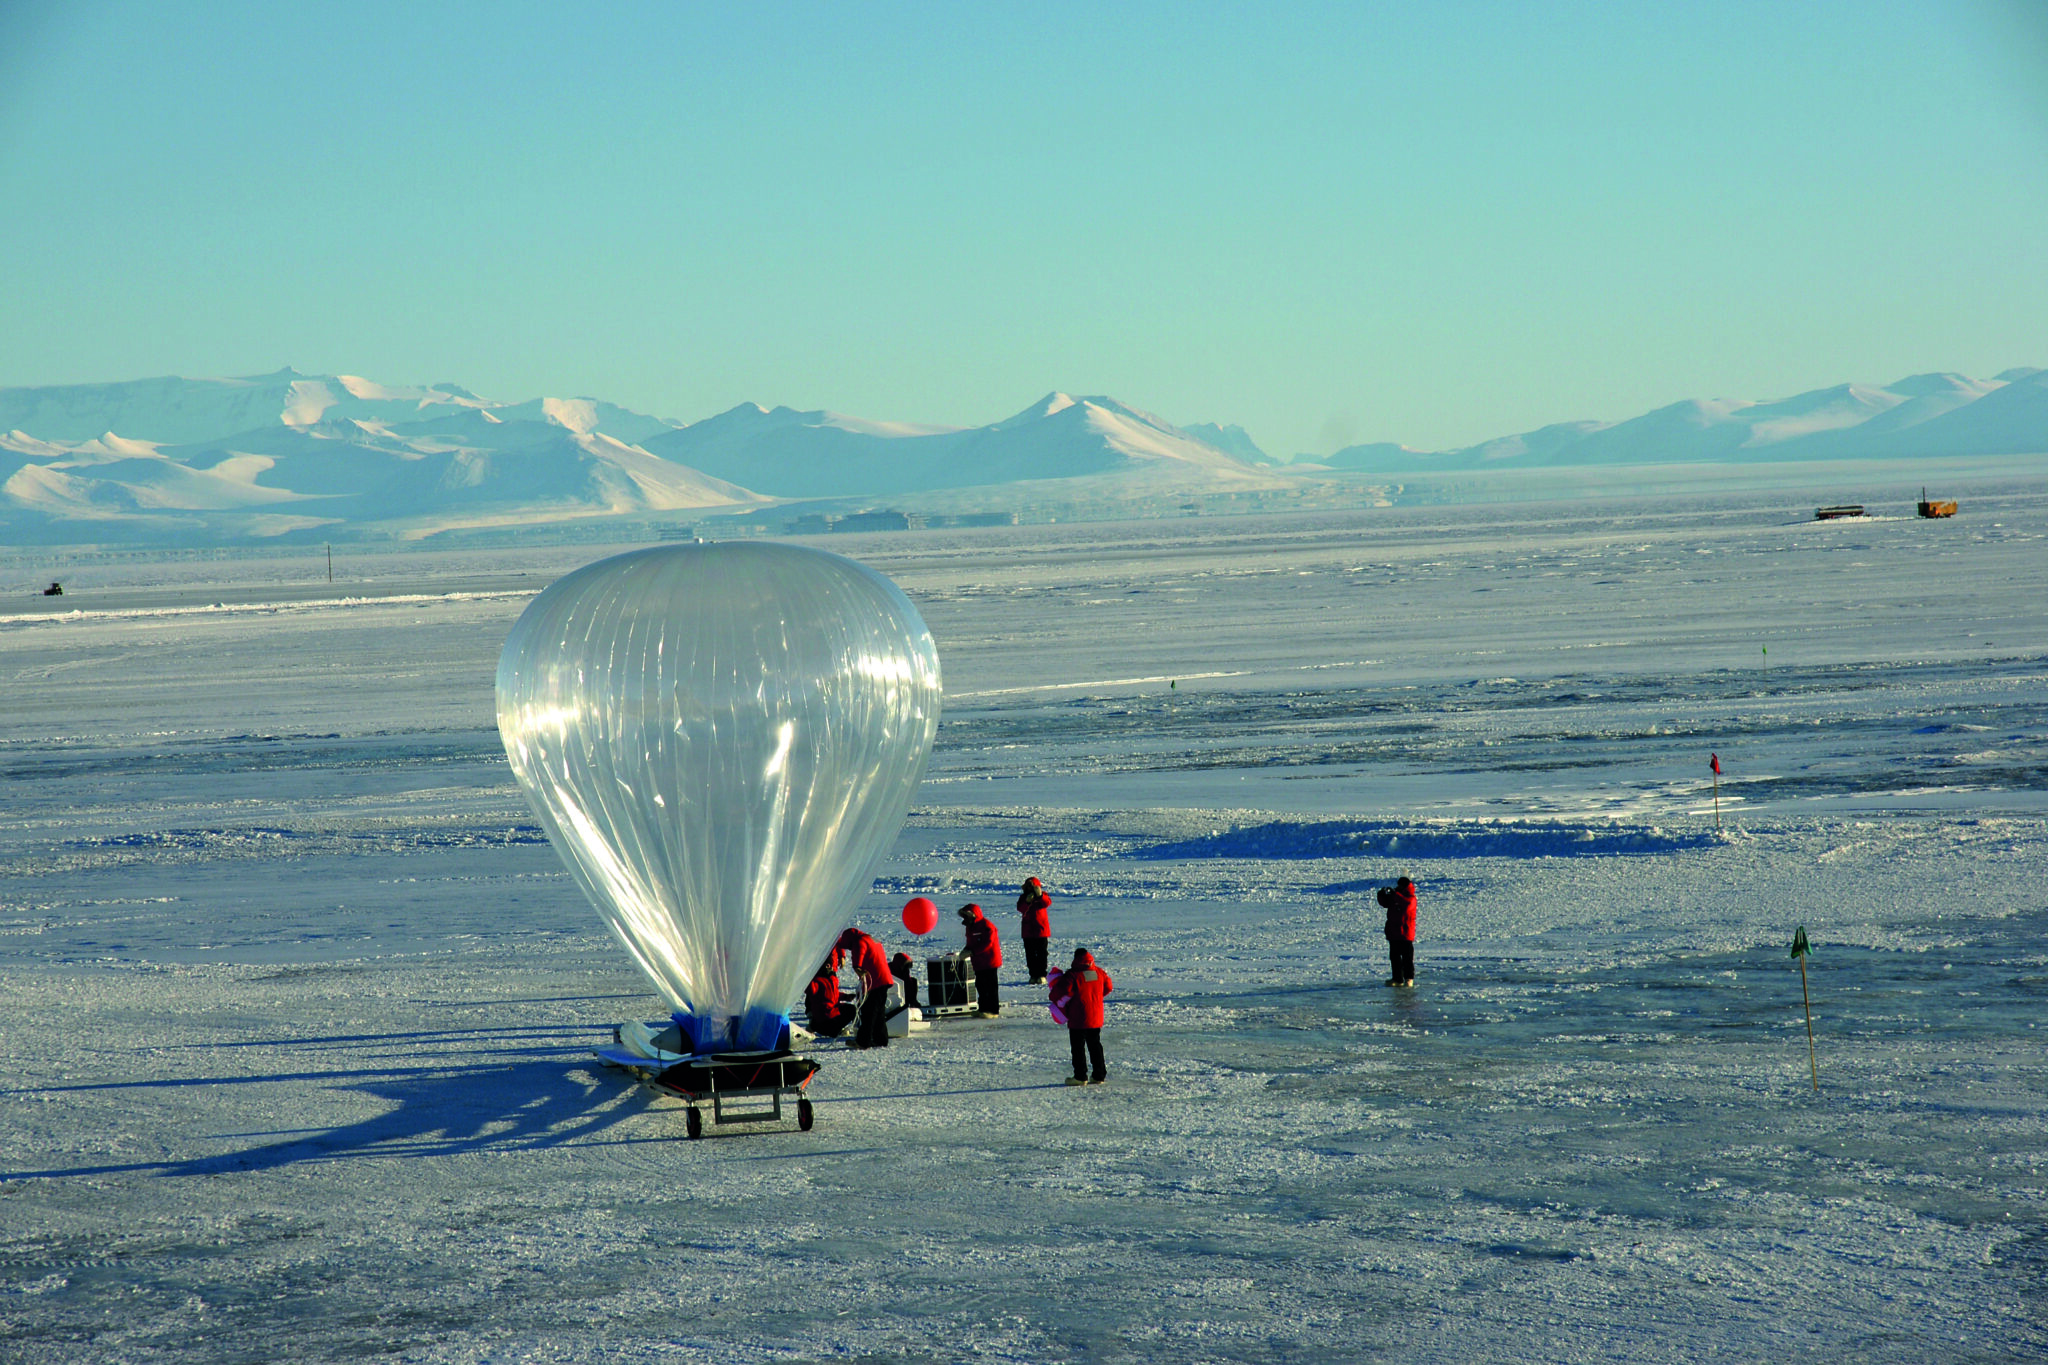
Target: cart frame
(737, 1084)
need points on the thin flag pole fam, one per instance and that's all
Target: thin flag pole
(1812, 1057)
(1800, 950)
(1714, 761)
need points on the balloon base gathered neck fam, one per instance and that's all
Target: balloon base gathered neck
(760, 1029)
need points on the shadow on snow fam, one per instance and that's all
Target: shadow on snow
(496, 1106)
(1289, 839)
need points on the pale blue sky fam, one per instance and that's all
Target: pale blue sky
(1427, 222)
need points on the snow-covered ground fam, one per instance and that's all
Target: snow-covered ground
(297, 1003)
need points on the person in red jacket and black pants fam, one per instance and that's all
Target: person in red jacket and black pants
(986, 951)
(875, 980)
(1079, 993)
(822, 1009)
(1399, 899)
(1032, 906)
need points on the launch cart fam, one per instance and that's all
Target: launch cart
(740, 1087)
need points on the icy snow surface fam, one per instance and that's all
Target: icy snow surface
(298, 1003)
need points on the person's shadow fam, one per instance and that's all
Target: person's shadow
(503, 1102)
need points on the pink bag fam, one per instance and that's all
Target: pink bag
(1052, 984)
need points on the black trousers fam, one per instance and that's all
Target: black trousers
(986, 991)
(1402, 951)
(910, 991)
(874, 1019)
(1087, 1044)
(1034, 957)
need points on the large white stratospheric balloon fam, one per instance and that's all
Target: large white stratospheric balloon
(721, 741)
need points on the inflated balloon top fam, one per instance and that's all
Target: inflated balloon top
(722, 742)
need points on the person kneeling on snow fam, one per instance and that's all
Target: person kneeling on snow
(1399, 899)
(875, 981)
(903, 968)
(987, 954)
(823, 1013)
(1078, 994)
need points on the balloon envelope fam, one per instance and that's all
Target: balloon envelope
(920, 915)
(721, 741)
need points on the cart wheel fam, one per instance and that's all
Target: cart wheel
(693, 1124)
(803, 1115)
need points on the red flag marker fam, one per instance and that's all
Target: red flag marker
(1714, 760)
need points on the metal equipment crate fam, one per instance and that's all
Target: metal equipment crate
(949, 989)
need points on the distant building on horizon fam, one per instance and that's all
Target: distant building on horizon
(888, 520)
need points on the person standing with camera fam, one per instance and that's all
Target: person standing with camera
(1032, 907)
(1399, 900)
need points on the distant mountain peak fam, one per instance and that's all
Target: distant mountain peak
(1231, 439)
(577, 414)
(1051, 405)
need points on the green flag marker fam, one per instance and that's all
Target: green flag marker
(1799, 945)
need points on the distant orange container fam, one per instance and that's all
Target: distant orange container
(1936, 509)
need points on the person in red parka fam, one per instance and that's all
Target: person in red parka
(872, 967)
(1079, 993)
(822, 1010)
(905, 972)
(986, 952)
(1032, 905)
(1399, 900)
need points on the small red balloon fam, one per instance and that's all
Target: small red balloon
(920, 916)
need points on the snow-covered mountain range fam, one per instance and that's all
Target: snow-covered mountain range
(792, 454)
(1924, 416)
(325, 456)
(288, 454)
